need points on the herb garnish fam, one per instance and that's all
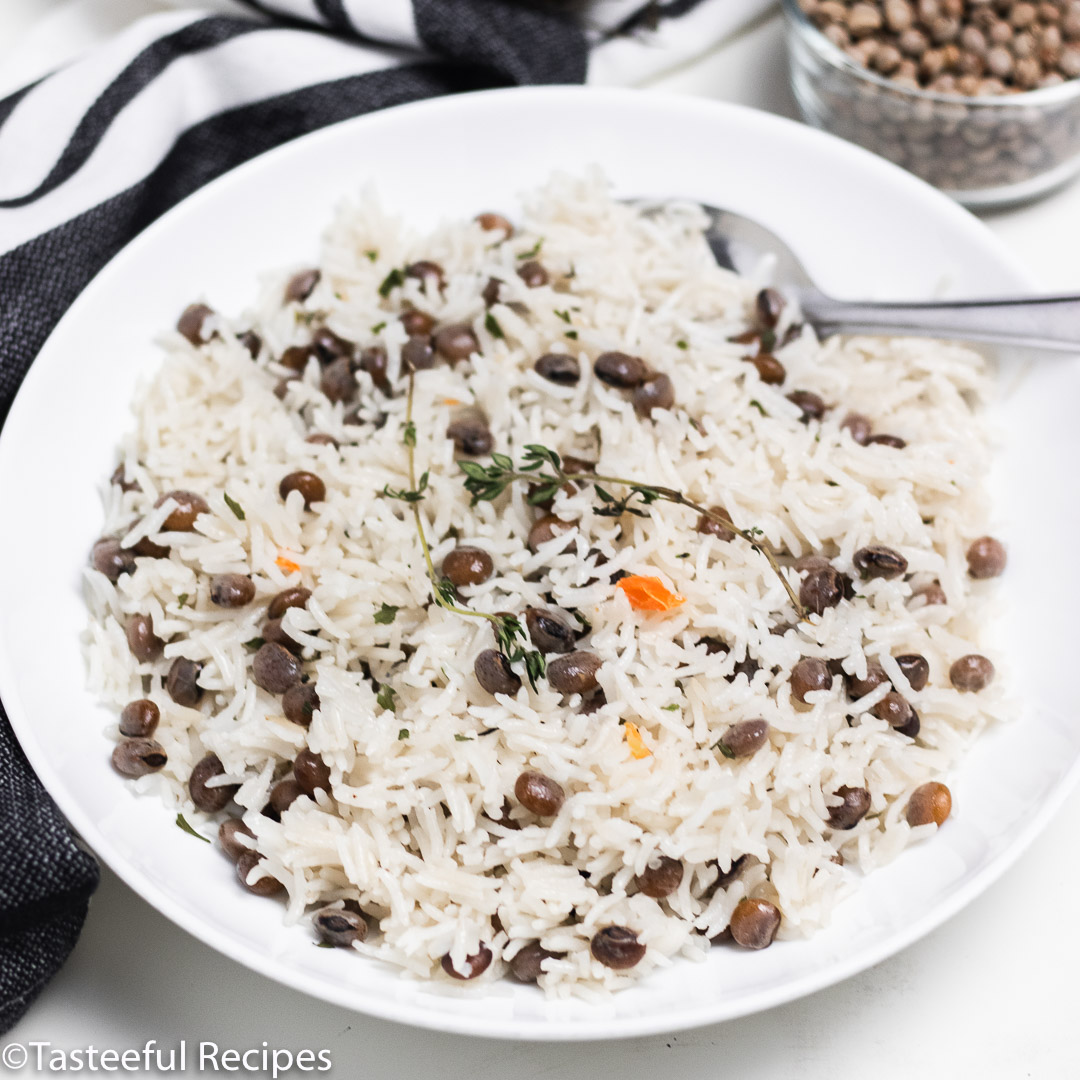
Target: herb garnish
(183, 823)
(463, 738)
(378, 326)
(673, 707)
(723, 748)
(491, 325)
(386, 615)
(410, 495)
(182, 599)
(487, 482)
(680, 344)
(372, 255)
(385, 698)
(392, 281)
(757, 405)
(564, 315)
(571, 334)
(255, 644)
(235, 507)
(509, 633)
(533, 251)
(403, 734)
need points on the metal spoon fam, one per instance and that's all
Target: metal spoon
(1045, 322)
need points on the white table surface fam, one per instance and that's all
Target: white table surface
(988, 995)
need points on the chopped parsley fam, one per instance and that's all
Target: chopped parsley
(724, 749)
(182, 822)
(235, 507)
(393, 280)
(386, 615)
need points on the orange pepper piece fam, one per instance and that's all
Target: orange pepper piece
(450, 401)
(638, 749)
(649, 593)
(287, 565)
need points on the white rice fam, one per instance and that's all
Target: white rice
(405, 832)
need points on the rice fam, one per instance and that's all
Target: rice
(421, 757)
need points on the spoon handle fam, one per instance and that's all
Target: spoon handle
(1048, 322)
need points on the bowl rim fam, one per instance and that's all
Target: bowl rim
(799, 23)
(476, 1022)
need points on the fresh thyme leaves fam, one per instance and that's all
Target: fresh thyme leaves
(385, 698)
(463, 738)
(378, 327)
(372, 255)
(255, 644)
(491, 325)
(673, 707)
(509, 633)
(571, 334)
(445, 593)
(757, 405)
(386, 615)
(542, 466)
(533, 251)
(403, 734)
(564, 315)
(409, 495)
(393, 280)
(235, 507)
(617, 507)
(680, 344)
(182, 599)
(535, 665)
(183, 823)
(409, 435)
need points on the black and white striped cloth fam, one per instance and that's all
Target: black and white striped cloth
(90, 155)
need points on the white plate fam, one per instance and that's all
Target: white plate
(861, 226)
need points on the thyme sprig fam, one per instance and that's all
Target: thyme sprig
(543, 467)
(509, 633)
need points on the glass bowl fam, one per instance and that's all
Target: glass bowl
(983, 151)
